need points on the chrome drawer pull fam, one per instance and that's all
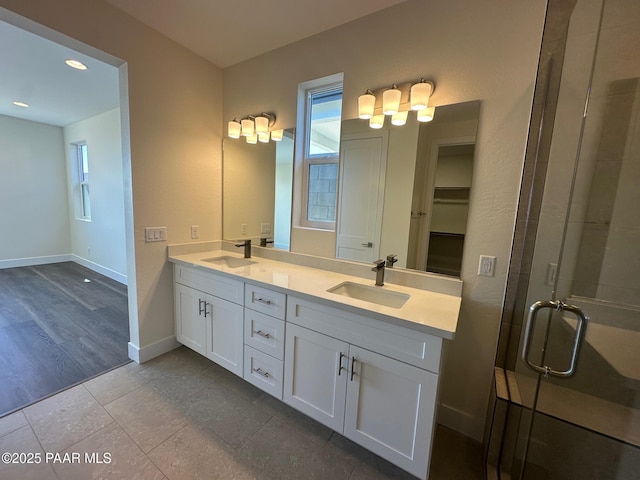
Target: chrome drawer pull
(259, 371)
(200, 309)
(262, 300)
(262, 334)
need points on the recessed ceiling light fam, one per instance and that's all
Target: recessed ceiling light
(21, 104)
(75, 64)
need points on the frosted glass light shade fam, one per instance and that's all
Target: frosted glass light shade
(247, 127)
(399, 118)
(426, 115)
(391, 101)
(263, 137)
(253, 139)
(420, 94)
(377, 121)
(276, 135)
(366, 104)
(233, 129)
(262, 125)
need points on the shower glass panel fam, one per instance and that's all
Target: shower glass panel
(585, 233)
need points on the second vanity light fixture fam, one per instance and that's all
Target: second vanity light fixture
(396, 102)
(255, 128)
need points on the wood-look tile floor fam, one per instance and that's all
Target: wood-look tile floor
(60, 324)
(180, 416)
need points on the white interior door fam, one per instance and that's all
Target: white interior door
(363, 162)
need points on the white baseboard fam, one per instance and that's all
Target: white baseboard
(461, 422)
(27, 262)
(107, 272)
(144, 354)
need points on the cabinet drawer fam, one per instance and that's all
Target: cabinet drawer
(264, 333)
(211, 283)
(265, 301)
(409, 346)
(263, 371)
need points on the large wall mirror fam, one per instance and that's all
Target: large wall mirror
(402, 190)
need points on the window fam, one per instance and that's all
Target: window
(82, 168)
(322, 145)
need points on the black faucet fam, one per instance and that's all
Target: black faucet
(264, 241)
(391, 259)
(247, 248)
(379, 269)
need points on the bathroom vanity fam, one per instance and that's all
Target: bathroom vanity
(362, 360)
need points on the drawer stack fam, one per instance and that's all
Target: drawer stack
(264, 315)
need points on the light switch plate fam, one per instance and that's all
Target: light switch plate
(195, 231)
(155, 234)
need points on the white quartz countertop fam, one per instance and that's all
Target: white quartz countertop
(426, 311)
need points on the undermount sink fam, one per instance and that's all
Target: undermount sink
(228, 261)
(371, 294)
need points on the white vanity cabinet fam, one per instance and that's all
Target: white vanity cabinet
(264, 327)
(333, 375)
(209, 315)
(369, 377)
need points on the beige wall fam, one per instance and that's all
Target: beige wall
(100, 243)
(34, 219)
(173, 165)
(484, 50)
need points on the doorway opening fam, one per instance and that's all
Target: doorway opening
(67, 267)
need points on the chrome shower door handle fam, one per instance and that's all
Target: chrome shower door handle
(577, 341)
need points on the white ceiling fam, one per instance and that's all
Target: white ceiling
(224, 32)
(34, 72)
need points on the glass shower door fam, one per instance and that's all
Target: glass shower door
(578, 380)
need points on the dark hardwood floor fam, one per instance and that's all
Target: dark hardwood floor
(57, 329)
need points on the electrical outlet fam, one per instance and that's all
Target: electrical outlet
(195, 231)
(486, 266)
(243, 228)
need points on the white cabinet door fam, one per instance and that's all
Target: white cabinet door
(315, 376)
(190, 319)
(390, 409)
(225, 331)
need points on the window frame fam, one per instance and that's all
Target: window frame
(316, 159)
(84, 197)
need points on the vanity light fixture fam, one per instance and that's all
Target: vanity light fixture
(262, 123)
(396, 102)
(377, 121)
(391, 100)
(426, 115)
(20, 104)
(420, 93)
(276, 135)
(254, 128)
(399, 118)
(366, 105)
(248, 127)
(234, 128)
(75, 64)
